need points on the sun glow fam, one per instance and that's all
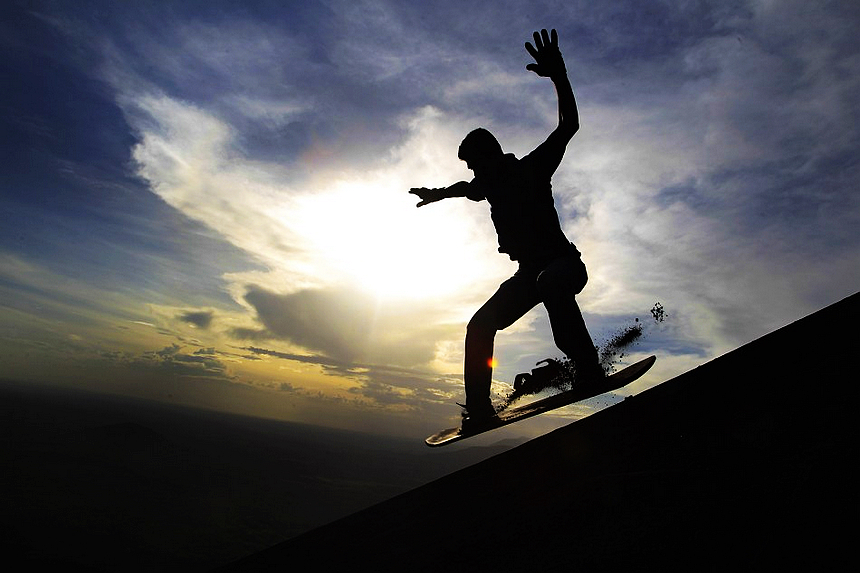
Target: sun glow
(374, 236)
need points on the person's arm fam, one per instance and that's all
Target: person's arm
(459, 189)
(550, 64)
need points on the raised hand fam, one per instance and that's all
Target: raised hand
(548, 60)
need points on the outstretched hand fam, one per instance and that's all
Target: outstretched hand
(548, 60)
(427, 195)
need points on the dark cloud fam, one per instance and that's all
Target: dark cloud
(334, 322)
(321, 360)
(171, 360)
(167, 351)
(200, 319)
(348, 326)
(251, 334)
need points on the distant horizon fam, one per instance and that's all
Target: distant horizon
(184, 487)
(413, 433)
(55, 390)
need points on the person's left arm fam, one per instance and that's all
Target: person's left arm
(550, 63)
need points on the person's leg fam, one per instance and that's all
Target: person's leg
(558, 286)
(514, 298)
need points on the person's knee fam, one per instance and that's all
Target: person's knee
(562, 278)
(482, 325)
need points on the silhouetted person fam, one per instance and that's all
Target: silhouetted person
(522, 209)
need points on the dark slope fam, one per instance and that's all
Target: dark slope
(94, 482)
(742, 463)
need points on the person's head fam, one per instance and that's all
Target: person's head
(480, 149)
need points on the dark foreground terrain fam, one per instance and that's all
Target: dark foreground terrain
(100, 483)
(745, 463)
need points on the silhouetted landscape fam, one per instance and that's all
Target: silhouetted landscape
(744, 462)
(105, 483)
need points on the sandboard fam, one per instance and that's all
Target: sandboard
(509, 416)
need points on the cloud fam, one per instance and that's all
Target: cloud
(332, 322)
(200, 319)
(721, 178)
(716, 168)
(242, 333)
(286, 387)
(322, 360)
(348, 326)
(414, 388)
(170, 360)
(691, 181)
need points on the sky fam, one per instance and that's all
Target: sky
(207, 202)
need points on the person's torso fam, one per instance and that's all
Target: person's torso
(523, 210)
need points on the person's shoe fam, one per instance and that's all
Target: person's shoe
(589, 375)
(548, 373)
(477, 417)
